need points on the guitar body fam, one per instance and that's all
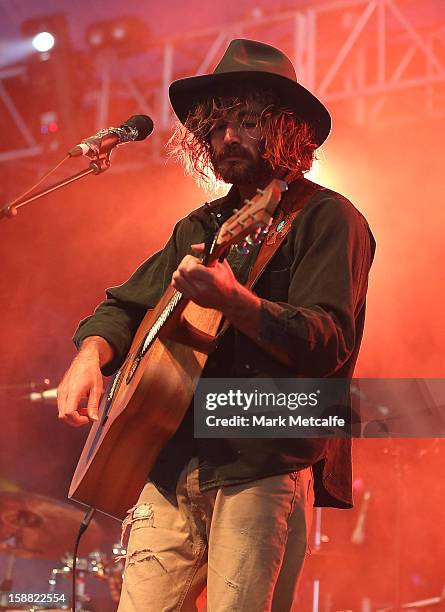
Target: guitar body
(142, 415)
(153, 389)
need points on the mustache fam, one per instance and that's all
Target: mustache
(232, 151)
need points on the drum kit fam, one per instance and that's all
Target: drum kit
(37, 527)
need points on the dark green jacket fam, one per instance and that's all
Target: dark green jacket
(313, 307)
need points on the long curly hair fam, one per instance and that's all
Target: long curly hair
(286, 141)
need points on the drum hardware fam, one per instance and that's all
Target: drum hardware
(38, 527)
(82, 596)
(28, 526)
(115, 571)
(96, 564)
(6, 584)
(119, 550)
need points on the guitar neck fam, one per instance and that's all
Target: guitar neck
(254, 216)
(173, 302)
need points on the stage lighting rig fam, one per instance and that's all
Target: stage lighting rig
(51, 79)
(123, 35)
(45, 31)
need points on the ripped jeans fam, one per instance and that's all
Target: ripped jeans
(247, 542)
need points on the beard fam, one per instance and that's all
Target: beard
(246, 170)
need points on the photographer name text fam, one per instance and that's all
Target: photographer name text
(278, 421)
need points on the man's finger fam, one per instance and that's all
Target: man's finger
(198, 248)
(180, 284)
(193, 268)
(72, 405)
(75, 419)
(190, 261)
(93, 403)
(61, 399)
(71, 413)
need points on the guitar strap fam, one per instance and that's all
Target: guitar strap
(292, 203)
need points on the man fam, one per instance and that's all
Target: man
(235, 514)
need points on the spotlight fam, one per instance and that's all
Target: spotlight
(119, 32)
(44, 41)
(43, 31)
(125, 35)
(95, 37)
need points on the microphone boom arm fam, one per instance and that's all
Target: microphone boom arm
(97, 166)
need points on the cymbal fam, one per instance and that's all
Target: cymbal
(8, 485)
(36, 527)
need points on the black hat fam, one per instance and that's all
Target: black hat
(257, 65)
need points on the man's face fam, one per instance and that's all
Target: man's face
(236, 148)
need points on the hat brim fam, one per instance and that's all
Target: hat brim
(186, 93)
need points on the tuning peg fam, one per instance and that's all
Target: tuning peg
(242, 248)
(255, 239)
(265, 229)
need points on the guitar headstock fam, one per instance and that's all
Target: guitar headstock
(254, 216)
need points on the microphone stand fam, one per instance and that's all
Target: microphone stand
(99, 164)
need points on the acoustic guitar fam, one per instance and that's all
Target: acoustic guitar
(149, 395)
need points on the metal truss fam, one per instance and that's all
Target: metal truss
(358, 56)
(10, 112)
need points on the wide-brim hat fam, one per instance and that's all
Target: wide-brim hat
(253, 64)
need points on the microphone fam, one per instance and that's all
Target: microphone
(137, 127)
(47, 396)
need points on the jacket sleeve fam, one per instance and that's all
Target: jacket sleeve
(117, 318)
(315, 329)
